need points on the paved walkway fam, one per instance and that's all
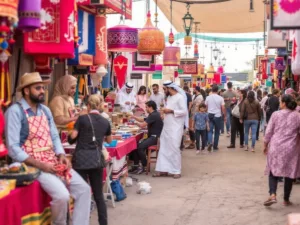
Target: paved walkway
(223, 188)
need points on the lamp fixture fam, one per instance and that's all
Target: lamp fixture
(224, 61)
(188, 21)
(216, 53)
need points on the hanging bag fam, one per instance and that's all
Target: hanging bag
(236, 111)
(89, 159)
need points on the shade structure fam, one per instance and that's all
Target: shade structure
(171, 56)
(122, 38)
(29, 14)
(227, 17)
(151, 39)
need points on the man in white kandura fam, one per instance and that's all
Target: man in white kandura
(175, 117)
(126, 98)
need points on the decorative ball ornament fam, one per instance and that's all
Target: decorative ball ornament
(171, 56)
(122, 38)
(151, 39)
(4, 45)
(188, 40)
(171, 38)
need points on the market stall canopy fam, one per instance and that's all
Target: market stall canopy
(231, 16)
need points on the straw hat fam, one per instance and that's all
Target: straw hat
(31, 78)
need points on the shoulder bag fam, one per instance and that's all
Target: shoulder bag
(236, 110)
(89, 159)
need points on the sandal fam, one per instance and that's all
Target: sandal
(158, 174)
(177, 176)
(272, 200)
(287, 203)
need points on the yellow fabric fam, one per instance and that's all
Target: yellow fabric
(43, 218)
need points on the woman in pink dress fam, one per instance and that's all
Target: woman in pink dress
(142, 98)
(282, 149)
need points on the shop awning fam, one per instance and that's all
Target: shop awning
(226, 17)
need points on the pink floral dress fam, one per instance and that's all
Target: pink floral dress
(282, 134)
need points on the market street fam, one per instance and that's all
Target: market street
(227, 188)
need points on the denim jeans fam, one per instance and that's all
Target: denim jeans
(228, 117)
(214, 126)
(253, 124)
(201, 134)
(222, 125)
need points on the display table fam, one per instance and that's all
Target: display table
(118, 154)
(28, 205)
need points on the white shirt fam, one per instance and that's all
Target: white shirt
(157, 98)
(123, 97)
(214, 104)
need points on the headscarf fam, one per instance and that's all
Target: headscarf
(289, 91)
(170, 84)
(127, 85)
(63, 85)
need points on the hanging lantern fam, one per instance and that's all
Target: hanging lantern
(171, 38)
(101, 38)
(188, 21)
(122, 38)
(201, 71)
(171, 56)
(196, 52)
(217, 78)
(29, 15)
(220, 69)
(42, 64)
(97, 76)
(9, 9)
(211, 71)
(188, 40)
(151, 39)
(279, 63)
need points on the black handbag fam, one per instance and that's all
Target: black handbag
(89, 159)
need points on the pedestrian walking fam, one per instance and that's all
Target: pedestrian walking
(215, 107)
(250, 115)
(229, 98)
(201, 126)
(236, 125)
(282, 149)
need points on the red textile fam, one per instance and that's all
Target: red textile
(123, 148)
(56, 35)
(21, 202)
(120, 68)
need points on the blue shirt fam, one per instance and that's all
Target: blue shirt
(16, 129)
(201, 120)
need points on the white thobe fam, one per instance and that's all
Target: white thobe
(169, 155)
(125, 97)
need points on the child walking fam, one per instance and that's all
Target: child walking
(201, 126)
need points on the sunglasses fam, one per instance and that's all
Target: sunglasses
(38, 88)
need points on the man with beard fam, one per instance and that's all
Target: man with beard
(33, 139)
(126, 98)
(175, 117)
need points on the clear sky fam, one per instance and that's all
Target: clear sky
(238, 55)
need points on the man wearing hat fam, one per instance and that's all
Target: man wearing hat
(32, 138)
(126, 98)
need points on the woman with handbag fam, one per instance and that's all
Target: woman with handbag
(89, 131)
(236, 125)
(250, 115)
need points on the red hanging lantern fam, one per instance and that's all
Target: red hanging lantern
(171, 38)
(101, 39)
(171, 56)
(42, 64)
(188, 40)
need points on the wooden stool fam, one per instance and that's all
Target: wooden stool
(152, 159)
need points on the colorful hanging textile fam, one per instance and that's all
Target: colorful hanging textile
(120, 68)
(56, 35)
(143, 63)
(285, 14)
(101, 56)
(296, 53)
(86, 43)
(189, 66)
(5, 85)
